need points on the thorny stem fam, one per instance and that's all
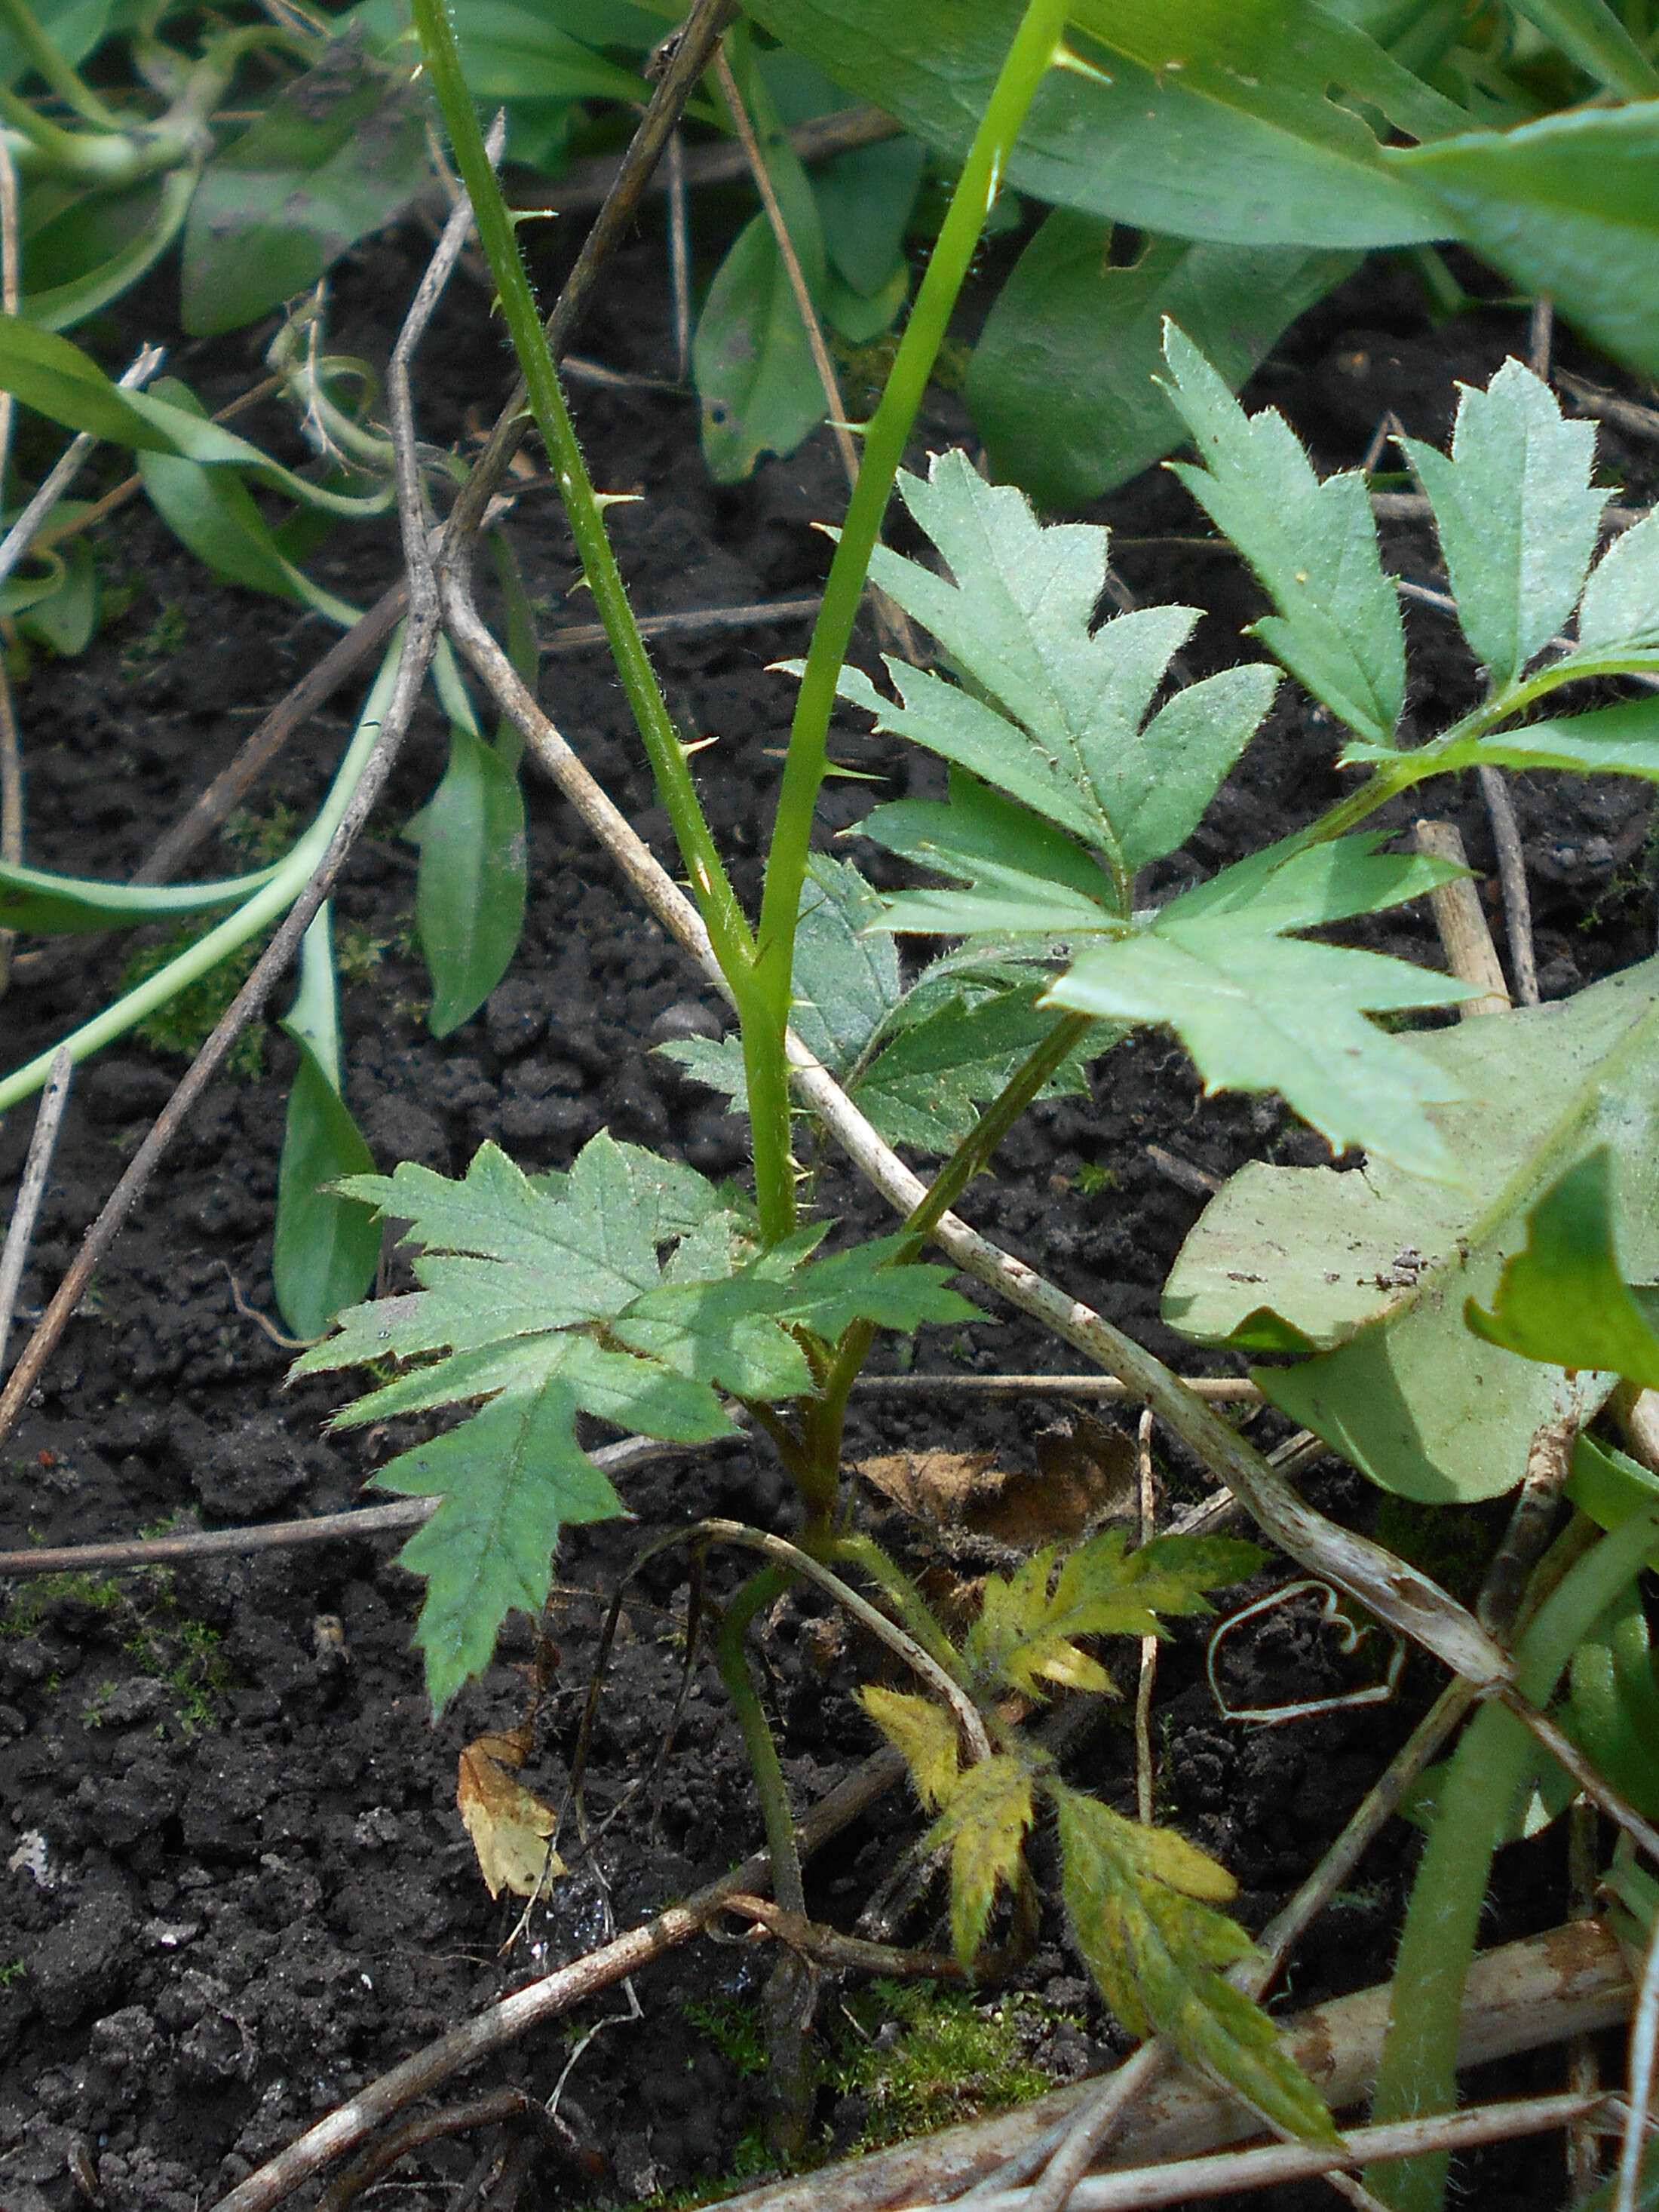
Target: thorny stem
(1029, 60)
(727, 930)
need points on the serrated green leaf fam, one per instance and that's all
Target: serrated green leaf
(846, 980)
(1054, 717)
(926, 1086)
(1135, 1900)
(1515, 514)
(470, 892)
(1313, 545)
(924, 1732)
(627, 1289)
(1261, 1011)
(510, 1480)
(1025, 1635)
(983, 1825)
(1061, 382)
(1620, 605)
(1563, 1299)
(1622, 740)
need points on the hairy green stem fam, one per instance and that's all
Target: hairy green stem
(1029, 60)
(1419, 2069)
(757, 1739)
(727, 929)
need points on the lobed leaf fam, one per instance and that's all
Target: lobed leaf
(1054, 717)
(628, 1290)
(509, 1481)
(1515, 514)
(1261, 1011)
(1026, 1634)
(1620, 605)
(984, 1826)
(924, 1732)
(1313, 546)
(1140, 1901)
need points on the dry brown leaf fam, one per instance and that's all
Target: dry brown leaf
(932, 1485)
(1085, 1469)
(509, 1828)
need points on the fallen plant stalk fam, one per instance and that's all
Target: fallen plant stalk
(1522, 1996)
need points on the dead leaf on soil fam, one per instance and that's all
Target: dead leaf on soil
(509, 1828)
(1085, 1469)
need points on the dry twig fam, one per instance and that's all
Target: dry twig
(31, 1188)
(1512, 878)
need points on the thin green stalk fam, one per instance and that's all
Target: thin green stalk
(727, 929)
(1419, 2069)
(272, 900)
(825, 1419)
(759, 1590)
(53, 70)
(1036, 43)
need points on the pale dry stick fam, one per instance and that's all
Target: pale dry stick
(1540, 337)
(1504, 1592)
(1512, 880)
(1229, 2172)
(679, 255)
(546, 1999)
(1522, 1996)
(585, 184)
(283, 1535)
(1220, 1389)
(1396, 1592)
(582, 637)
(1464, 935)
(1148, 1675)
(419, 644)
(743, 125)
(31, 1188)
(1643, 2049)
(1414, 506)
(68, 465)
(1583, 2070)
(1609, 407)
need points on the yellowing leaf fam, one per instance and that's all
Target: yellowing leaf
(509, 1828)
(1136, 1897)
(984, 1825)
(925, 1732)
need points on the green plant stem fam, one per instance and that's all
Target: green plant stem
(1028, 58)
(53, 70)
(1419, 2069)
(273, 899)
(824, 1421)
(760, 1590)
(727, 929)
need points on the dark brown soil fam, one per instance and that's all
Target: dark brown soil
(238, 1885)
